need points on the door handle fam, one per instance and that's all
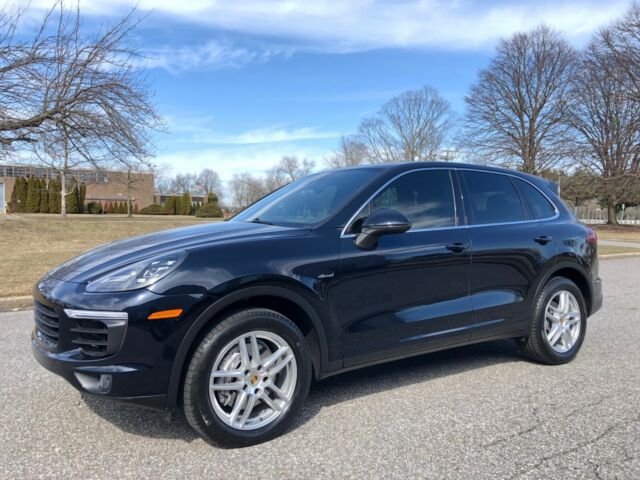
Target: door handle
(457, 247)
(543, 239)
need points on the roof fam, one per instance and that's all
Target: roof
(396, 168)
(413, 165)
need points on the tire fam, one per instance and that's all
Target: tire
(211, 412)
(537, 346)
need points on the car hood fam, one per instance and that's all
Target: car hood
(117, 254)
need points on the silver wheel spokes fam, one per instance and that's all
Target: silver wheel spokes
(253, 380)
(562, 321)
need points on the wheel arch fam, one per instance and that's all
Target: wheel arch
(574, 272)
(284, 300)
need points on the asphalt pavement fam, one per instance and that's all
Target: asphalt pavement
(474, 412)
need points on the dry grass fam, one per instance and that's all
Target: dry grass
(612, 249)
(623, 233)
(33, 244)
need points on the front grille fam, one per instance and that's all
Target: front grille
(92, 336)
(47, 324)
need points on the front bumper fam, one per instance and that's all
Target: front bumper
(135, 362)
(117, 382)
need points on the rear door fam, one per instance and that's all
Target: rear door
(510, 249)
(411, 292)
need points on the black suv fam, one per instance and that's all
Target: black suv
(336, 271)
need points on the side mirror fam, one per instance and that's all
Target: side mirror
(385, 221)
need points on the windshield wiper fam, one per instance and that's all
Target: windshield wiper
(263, 222)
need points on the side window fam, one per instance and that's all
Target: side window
(539, 206)
(492, 198)
(425, 197)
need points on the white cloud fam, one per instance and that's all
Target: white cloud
(266, 135)
(329, 25)
(195, 145)
(212, 55)
(196, 130)
(227, 161)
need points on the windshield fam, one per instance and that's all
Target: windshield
(310, 200)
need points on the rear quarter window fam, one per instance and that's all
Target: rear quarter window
(539, 206)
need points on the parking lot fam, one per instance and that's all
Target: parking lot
(474, 412)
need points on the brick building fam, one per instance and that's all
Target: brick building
(102, 186)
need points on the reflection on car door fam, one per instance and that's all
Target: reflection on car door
(411, 292)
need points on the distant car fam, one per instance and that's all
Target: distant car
(336, 271)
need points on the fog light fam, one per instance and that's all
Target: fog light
(105, 383)
(94, 383)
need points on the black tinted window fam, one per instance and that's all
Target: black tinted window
(492, 198)
(424, 197)
(539, 206)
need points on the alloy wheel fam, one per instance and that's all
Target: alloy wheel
(563, 321)
(253, 380)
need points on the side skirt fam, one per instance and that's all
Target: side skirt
(513, 334)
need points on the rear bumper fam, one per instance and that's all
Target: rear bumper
(596, 296)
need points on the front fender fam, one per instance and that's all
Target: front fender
(205, 320)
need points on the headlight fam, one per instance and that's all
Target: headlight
(137, 275)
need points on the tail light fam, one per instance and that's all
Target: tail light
(592, 238)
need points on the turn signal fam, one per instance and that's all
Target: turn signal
(163, 314)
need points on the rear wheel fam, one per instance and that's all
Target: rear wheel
(558, 325)
(247, 379)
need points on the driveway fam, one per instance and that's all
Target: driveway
(474, 412)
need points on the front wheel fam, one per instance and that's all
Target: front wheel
(247, 379)
(558, 325)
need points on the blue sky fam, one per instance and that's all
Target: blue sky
(242, 83)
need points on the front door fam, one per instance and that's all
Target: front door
(410, 293)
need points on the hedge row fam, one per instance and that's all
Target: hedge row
(35, 195)
(183, 205)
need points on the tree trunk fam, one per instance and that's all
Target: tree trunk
(611, 214)
(129, 212)
(63, 195)
(63, 181)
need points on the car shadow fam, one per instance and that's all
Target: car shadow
(331, 391)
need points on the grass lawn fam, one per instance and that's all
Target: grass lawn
(612, 249)
(33, 244)
(624, 233)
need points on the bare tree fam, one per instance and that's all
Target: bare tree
(245, 189)
(623, 42)
(607, 121)
(162, 178)
(293, 168)
(274, 179)
(129, 172)
(516, 112)
(350, 152)
(183, 183)
(21, 64)
(288, 169)
(209, 181)
(94, 109)
(412, 126)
